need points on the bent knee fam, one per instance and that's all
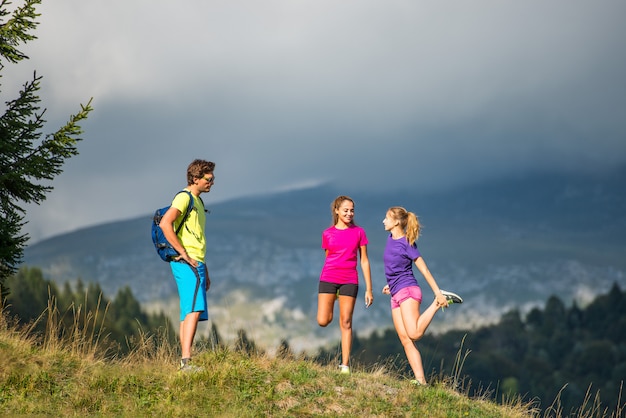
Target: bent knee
(324, 321)
(414, 336)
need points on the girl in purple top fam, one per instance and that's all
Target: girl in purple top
(343, 243)
(406, 295)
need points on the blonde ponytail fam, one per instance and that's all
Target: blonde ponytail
(408, 222)
(413, 228)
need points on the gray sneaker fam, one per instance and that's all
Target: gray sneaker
(187, 367)
(452, 297)
(190, 368)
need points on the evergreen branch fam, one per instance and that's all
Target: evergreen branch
(16, 30)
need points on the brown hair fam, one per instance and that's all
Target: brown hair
(197, 169)
(334, 206)
(408, 221)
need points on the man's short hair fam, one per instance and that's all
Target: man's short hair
(197, 169)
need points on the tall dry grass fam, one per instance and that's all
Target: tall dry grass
(70, 371)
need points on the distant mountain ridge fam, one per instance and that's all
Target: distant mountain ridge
(504, 244)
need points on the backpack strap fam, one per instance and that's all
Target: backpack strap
(187, 212)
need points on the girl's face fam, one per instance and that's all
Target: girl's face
(345, 212)
(389, 221)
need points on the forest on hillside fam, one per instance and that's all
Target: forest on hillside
(557, 352)
(116, 324)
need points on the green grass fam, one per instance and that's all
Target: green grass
(64, 376)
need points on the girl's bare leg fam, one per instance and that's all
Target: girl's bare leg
(346, 309)
(415, 324)
(325, 306)
(411, 351)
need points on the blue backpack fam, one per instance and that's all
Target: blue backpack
(162, 246)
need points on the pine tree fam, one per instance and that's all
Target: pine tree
(27, 161)
(30, 294)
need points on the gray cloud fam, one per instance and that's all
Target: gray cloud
(360, 93)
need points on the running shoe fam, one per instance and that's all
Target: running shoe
(343, 369)
(452, 297)
(190, 368)
(186, 366)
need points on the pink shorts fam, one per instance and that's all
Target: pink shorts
(411, 292)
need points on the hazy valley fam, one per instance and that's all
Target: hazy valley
(503, 245)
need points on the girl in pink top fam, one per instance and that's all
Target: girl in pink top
(343, 243)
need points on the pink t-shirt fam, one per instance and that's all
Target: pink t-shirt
(342, 246)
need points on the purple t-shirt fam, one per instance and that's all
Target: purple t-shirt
(399, 257)
(342, 246)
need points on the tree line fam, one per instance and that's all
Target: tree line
(117, 324)
(551, 352)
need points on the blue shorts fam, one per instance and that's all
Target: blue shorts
(411, 292)
(191, 283)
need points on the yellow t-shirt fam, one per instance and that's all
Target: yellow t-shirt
(191, 235)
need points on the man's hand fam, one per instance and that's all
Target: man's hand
(185, 257)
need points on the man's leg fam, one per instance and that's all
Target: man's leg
(188, 329)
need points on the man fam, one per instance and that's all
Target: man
(189, 269)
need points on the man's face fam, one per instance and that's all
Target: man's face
(205, 182)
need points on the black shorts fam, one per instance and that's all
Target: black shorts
(351, 290)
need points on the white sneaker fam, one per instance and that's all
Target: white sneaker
(343, 369)
(452, 297)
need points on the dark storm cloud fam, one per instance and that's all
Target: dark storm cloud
(284, 93)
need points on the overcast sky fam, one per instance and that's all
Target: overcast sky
(284, 94)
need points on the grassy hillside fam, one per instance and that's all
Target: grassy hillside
(68, 377)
